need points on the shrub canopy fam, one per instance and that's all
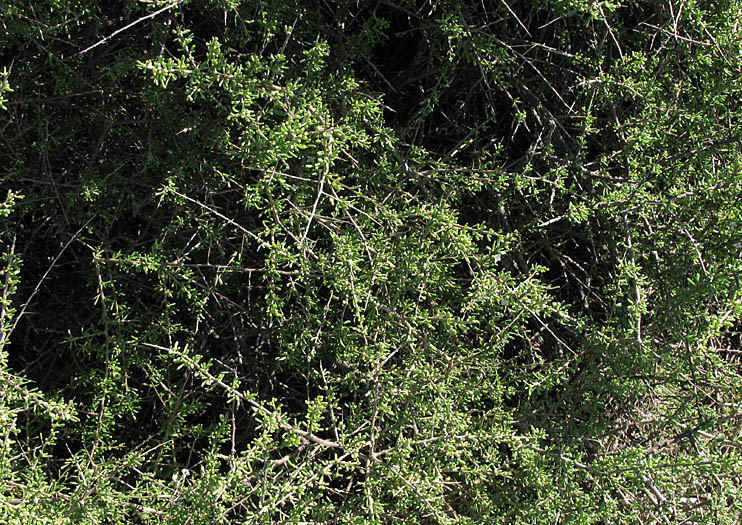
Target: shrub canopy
(370, 262)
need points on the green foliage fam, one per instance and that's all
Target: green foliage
(370, 262)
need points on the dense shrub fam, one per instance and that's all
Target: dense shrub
(370, 262)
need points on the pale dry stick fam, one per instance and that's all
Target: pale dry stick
(217, 296)
(542, 323)
(285, 426)
(220, 267)
(729, 140)
(651, 232)
(20, 506)
(495, 338)
(43, 277)
(322, 220)
(48, 172)
(273, 173)
(29, 395)
(371, 458)
(718, 48)
(561, 457)
(288, 37)
(354, 294)
(700, 259)
(385, 361)
(610, 30)
(320, 186)
(457, 437)
(675, 17)
(729, 351)
(550, 49)
(132, 24)
(637, 290)
(406, 323)
(669, 33)
(331, 406)
(668, 201)
(395, 470)
(215, 212)
(288, 231)
(315, 342)
(516, 18)
(6, 290)
(721, 438)
(360, 195)
(317, 474)
(537, 70)
(366, 245)
(107, 361)
(703, 454)
(658, 496)
(376, 70)
(520, 260)
(284, 459)
(569, 13)
(551, 221)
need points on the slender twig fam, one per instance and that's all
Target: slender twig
(6, 289)
(521, 24)
(285, 426)
(128, 26)
(219, 267)
(46, 273)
